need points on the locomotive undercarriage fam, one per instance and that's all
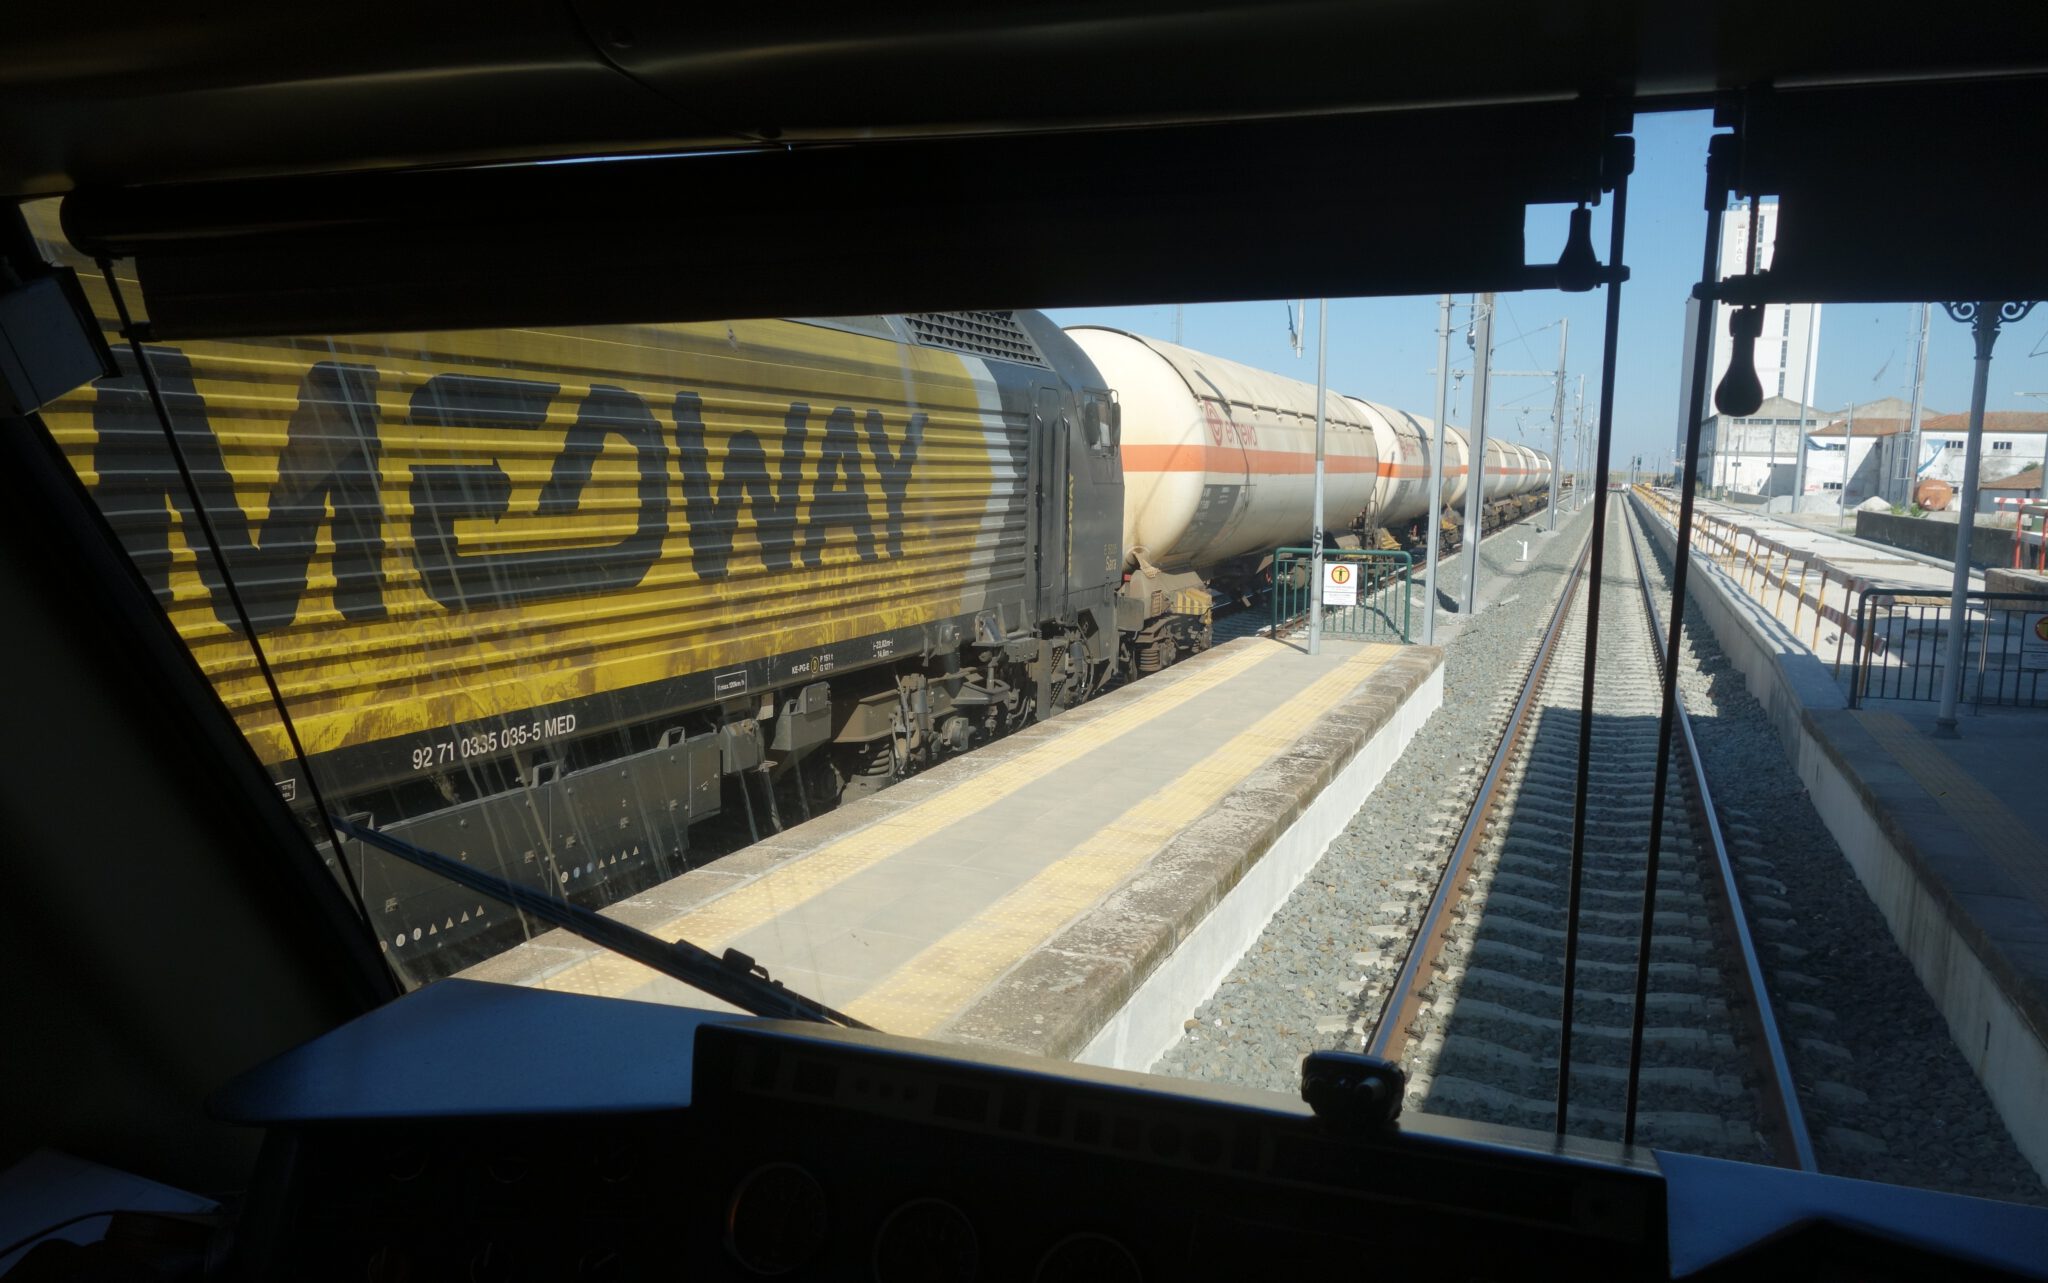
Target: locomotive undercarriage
(608, 815)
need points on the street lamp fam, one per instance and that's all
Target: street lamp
(1984, 320)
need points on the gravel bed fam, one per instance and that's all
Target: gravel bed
(1317, 975)
(1484, 1042)
(1888, 1096)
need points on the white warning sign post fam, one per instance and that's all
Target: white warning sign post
(2034, 642)
(1340, 583)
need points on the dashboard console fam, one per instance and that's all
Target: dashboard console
(478, 1132)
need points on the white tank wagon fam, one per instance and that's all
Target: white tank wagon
(1457, 466)
(1219, 460)
(1400, 512)
(1219, 457)
(1403, 442)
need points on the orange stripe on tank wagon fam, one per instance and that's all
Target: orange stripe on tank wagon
(1229, 459)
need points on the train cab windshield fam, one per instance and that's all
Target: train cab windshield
(919, 669)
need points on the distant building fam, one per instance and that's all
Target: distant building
(2020, 487)
(2014, 440)
(1849, 459)
(1785, 352)
(1758, 453)
(1877, 449)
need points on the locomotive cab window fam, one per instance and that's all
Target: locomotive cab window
(1102, 421)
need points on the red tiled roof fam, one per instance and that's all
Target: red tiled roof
(2028, 480)
(1866, 428)
(1994, 421)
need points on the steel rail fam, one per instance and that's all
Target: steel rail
(1780, 1098)
(1390, 1038)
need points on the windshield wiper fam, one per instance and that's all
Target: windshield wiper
(733, 977)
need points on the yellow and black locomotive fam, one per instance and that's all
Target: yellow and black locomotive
(544, 600)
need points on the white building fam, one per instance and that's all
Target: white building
(1758, 453)
(1871, 459)
(2014, 440)
(1848, 461)
(1786, 351)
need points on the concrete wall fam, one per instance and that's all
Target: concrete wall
(2018, 581)
(1989, 546)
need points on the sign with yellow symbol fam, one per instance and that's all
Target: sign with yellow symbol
(1340, 583)
(2034, 641)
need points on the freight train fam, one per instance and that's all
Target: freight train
(1218, 460)
(549, 600)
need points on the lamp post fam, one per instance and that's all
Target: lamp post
(1475, 471)
(1436, 470)
(1984, 319)
(1805, 394)
(1315, 543)
(1564, 329)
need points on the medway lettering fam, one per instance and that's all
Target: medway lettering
(329, 458)
(839, 493)
(444, 494)
(714, 517)
(840, 496)
(894, 472)
(327, 475)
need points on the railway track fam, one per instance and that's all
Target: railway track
(1474, 1015)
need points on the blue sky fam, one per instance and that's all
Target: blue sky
(1385, 348)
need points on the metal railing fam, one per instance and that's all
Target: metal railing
(1820, 591)
(2005, 646)
(2030, 526)
(1383, 609)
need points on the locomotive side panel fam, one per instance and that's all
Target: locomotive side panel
(457, 544)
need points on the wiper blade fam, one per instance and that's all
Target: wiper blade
(733, 977)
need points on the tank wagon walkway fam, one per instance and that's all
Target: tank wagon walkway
(1072, 890)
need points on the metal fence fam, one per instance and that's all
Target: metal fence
(2005, 649)
(1382, 611)
(1801, 588)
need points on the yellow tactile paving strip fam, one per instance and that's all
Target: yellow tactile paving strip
(937, 983)
(717, 923)
(2000, 834)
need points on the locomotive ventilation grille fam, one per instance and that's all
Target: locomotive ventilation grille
(994, 334)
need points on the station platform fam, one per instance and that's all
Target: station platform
(1948, 835)
(1828, 537)
(1072, 890)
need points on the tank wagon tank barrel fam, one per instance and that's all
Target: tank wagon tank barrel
(1217, 462)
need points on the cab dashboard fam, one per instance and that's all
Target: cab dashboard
(476, 1131)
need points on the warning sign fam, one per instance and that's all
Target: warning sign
(2034, 641)
(1340, 584)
